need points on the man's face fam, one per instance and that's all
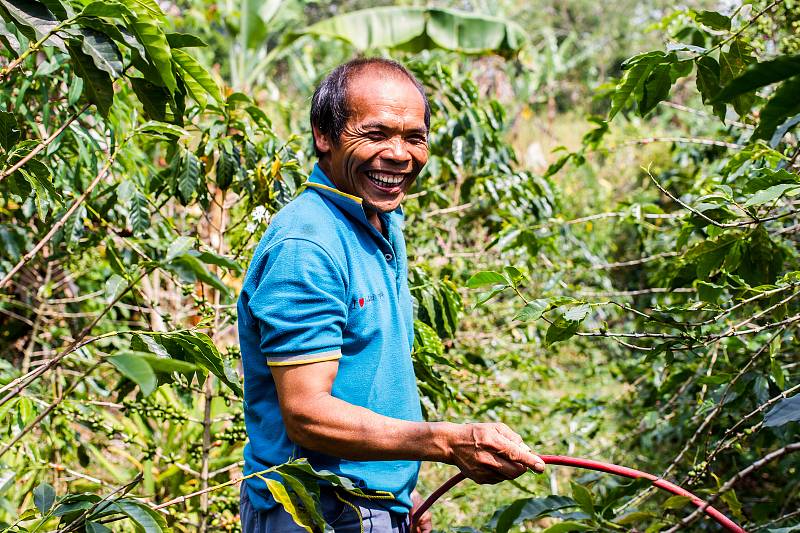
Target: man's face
(384, 144)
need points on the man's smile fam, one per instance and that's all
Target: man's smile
(388, 182)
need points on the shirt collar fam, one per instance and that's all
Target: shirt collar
(350, 204)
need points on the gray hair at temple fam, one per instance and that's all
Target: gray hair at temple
(329, 109)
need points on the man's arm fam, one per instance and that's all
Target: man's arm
(486, 453)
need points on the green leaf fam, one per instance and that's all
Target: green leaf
(184, 40)
(164, 129)
(137, 370)
(179, 246)
(708, 84)
(310, 505)
(772, 193)
(191, 269)
(114, 286)
(106, 9)
(149, 33)
(189, 177)
(154, 99)
(564, 527)
(634, 77)
(527, 509)
(577, 313)
(44, 495)
(783, 104)
(227, 166)
(103, 52)
(34, 20)
(197, 79)
(280, 495)
(37, 175)
(583, 498)
(210, 258)
(147, 520)
(486, 277)
(634, 517)
(732, 63)
(136, 206)
(676, 502)
(97, 86)
(97, 527)
(191, 346)
(560, 330)
(786, 410)
(760, 75)
(9, 130)
(146, 8)
(714, 20)
(767, 177)
(167, 365)
(415, 28)
(709, 292)
(655, 88)
(533, 310)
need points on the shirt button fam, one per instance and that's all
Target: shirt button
(388, 257)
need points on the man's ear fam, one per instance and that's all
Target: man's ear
(321, 141)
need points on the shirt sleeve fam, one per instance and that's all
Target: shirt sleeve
(300, 304)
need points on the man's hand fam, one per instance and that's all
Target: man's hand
(491, 453)
(425, 524)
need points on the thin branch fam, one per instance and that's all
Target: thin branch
(73, 346)
(41, 146)
(63, 220)
(718, 408)
(728, 485)
(634, 262)
(722, 445)
(49, 409)
(33, 48)
(681, 107)
(447, 210)
(687, 206)
(740, 30)
(685, 140)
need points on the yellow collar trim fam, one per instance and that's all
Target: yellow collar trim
(337, 191)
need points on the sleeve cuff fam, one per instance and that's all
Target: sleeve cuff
(330, 355)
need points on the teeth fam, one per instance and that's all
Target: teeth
(384, 179)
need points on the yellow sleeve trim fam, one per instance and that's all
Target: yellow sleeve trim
(337, 191)
(304, 361)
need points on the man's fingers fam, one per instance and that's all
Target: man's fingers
(508, 433)
(521, 453)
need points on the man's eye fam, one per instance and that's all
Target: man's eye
(376, 135)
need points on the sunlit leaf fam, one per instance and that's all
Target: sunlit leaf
(136, 369)
(481, 279)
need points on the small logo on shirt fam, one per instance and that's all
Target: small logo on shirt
(362, 301)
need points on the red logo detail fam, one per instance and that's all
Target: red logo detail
(361, 302)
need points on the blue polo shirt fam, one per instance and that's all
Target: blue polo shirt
(325, 285)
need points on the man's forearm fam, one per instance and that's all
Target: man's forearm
(338, 428)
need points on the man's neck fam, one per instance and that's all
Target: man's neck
(374, 218)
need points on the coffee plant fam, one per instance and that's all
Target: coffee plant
(144, 147)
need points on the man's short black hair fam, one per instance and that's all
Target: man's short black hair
(329, 109)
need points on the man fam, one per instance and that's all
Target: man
(326, 327)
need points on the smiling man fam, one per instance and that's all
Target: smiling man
(326, 322)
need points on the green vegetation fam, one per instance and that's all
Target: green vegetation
(624, 288)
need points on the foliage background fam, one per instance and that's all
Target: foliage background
(622, 290)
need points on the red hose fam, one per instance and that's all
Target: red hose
(623, 471)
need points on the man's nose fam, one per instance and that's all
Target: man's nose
(398, 151)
